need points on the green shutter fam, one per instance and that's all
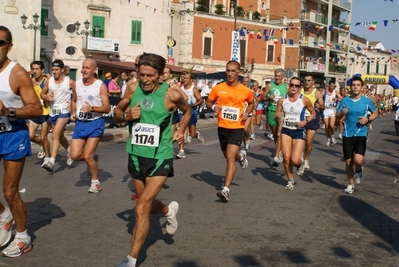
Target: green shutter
(100, 21)
(72, 74)
(43, 16)
(136, 32)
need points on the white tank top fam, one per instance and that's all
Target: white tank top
(328, 101)
(91, 95)
(62, 96)
(9, 99)
(294, 112)
(190, 93)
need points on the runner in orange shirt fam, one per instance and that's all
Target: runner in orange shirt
(228, 100)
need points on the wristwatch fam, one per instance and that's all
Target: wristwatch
(92, 109)
(11, 112)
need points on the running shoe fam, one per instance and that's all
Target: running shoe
(47, 165)
(223, 194)
(322, 126)
(187, 139)
(340, 136)
(358, 176)
(275, 162)
(247, 145)
(243, 161)
(252, 136)
(200, 138)
(300, 170)
(17, 247)
(44, 162)
(290, 185)
(41, 153)
(280, 157)
(69, 160)
(95, 187)
(328, 144)
(5, 231)
(270, 136)
(333, 140)
(181, 154)
(349, 189)
(306, 164)
(171, 221)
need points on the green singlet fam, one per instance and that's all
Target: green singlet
(151, 134)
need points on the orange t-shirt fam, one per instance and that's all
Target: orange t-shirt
(233, 101)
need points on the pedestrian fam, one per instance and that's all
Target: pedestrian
(330, 97)
(355, 108)
(18, 102)
(150, 146)
(293, 136)
(228, 100)
(88, 107)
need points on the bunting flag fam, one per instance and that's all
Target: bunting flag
(359, 48)
(319, 28)
(275, 39)
(242, 33)
(373, 26)
(321, 45)
(251, 34)
(271, 32)
(337, 47)
(259, 36)
(283, 40)
(291, 41)
(331, 27)
(265, 34)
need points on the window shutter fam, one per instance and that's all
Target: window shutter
(207, 46)
(136, 32)
(44, 14)
(100, 21)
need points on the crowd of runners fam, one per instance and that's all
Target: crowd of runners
(158, 112)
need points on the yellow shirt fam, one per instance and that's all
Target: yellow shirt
(45, 104)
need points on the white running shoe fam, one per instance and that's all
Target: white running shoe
(5, 231)
(181, 154)
(280, 158)
(290, 185)
(126, 263)
(41, 153)
(95, 187)
(223, 194)
(171, 221)
(328, 144)
(48, 166)
(358, 176)
(17, 247)
(69, 160)
(187, 139)
(244, 161)
(252, 136)
(340, 136)
(306, 164)
(349, 189)
(322, 126)
(275, 162)
(200, 138)
(333, 140)
(247, 145)
(300, 170)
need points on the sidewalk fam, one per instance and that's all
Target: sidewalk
(122, 132)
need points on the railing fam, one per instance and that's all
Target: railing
(343, 3)
(337, 68)
(339, 24)
(321, 19)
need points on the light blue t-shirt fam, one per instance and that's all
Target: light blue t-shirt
(356, 108)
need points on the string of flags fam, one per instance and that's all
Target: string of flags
(147, 7)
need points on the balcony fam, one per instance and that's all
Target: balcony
(343, 5)
(341, 25)
(317, 18)
(337, 68)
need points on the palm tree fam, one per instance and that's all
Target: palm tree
(219, 9)
(203, 6)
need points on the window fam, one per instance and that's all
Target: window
(270, 53)
(70, 50)
(44, 15)
(368, 67)
(100, 21)
(377, 67)
(71, 28)
(385, 69)
(243, 50)
(207, 46)
(135, 37)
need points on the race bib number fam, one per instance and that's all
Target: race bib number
(85, 116)
(231, 114)
(291, 122)
(145, 135)
(5, 125)
(56, 110)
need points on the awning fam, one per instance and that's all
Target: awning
(129, 65)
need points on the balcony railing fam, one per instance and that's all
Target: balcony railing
(337, 68)
(343, 3)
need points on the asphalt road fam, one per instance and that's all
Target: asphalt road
(262, 225)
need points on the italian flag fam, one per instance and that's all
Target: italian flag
(275, 39)
(373, 25)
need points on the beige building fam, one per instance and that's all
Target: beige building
(119, 30)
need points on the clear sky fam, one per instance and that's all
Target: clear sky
(377, 10)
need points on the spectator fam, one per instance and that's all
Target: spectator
(113, 87)
(107, 78)
(207, 89)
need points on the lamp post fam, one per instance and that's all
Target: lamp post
(300, 41)
(86, 31)
(34, 26)
(233, 4)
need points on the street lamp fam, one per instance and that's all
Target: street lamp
(233, 4)
(86, 31)
(34, 26)
(303, 12)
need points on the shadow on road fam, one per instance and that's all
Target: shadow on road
(214, 180)
(40, 213)
(85, 178)
(154, 234)
(374, 220)
(247, 261)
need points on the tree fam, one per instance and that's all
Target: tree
(240, 12)
(203, 6)
(256, 15)
(219, 9)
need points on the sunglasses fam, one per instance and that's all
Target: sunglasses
(3, 43)
(295, 85)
